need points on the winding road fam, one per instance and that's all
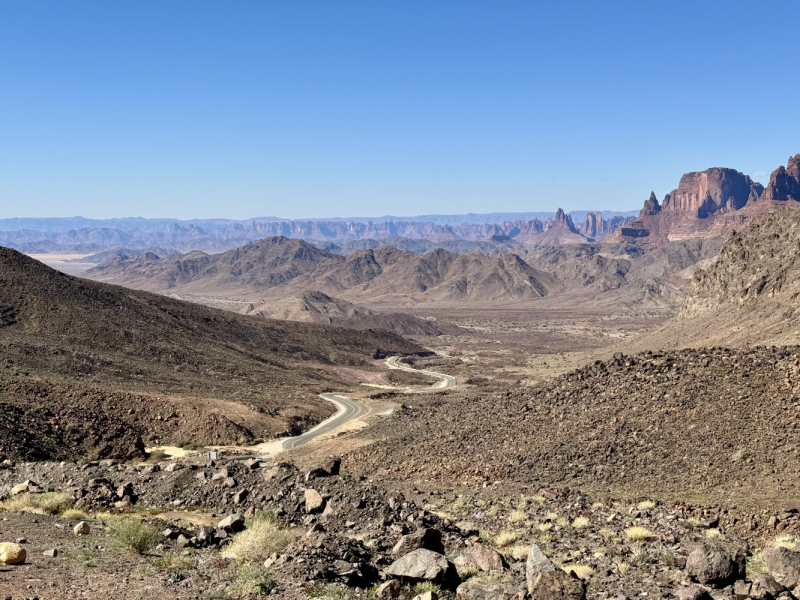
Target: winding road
(349, 410)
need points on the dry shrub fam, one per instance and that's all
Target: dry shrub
(49, 503)
(580, 522)
(263, 537)
(646, 505)
(639, 534)
(517, 516)
(505, 538)
(133, 534)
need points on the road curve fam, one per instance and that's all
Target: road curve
(448, 381)
(349, 410)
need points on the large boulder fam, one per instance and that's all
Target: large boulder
(232, 523)
(537, 564)
(314, 501)
(784, 566)
(712, 566)
(26, 486)
(425, 565)
(557, 585)
(475, 590)
(429, 539)
(487, 559)
(12, 554)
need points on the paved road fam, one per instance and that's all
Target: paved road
(448, 381)
(348, 410)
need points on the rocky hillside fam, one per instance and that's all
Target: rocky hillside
(710, 203)
(316, 307)
(665, 424)
(76, 351)
(280, 266)
(747, 296)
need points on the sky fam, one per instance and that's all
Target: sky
(238, 109)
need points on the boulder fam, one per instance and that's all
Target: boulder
(388, 591)
(429, 595)
(81, 528)
(429, 539)
(475, 590)
(537, 564)
(487, 559)
(12, 554)
(557, 585)
(784, 566)
(26, 486)
(692, 592)
(232, 523)
(714, 567)
(425, 565)
(314, 502)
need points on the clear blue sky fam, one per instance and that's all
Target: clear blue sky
(334, 108)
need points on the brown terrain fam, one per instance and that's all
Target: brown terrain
(623, 425)
(89, 368)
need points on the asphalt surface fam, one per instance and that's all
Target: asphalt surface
(448, 381)
(348, 410)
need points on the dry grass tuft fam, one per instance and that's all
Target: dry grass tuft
(50, 503)
(517, 516)
(506, 538)
(646, 505)
(579, 570)
(580, 522)
(545, 526)
(714, 533)
(785, 541)
(75, 515)
(622, 567)
(639, 534)
(264, 536)
(519, 551)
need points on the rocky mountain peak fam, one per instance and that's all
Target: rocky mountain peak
(713, 190)
(651, 206)
(784, 183)
(564, 220)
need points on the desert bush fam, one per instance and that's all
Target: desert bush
(427, 586)
(190, 446)
(580, 522)
(517, 516)
(639, 534)
(74, 514)
(49, 503)
(264, 536)
(133, 534)
(252, 581)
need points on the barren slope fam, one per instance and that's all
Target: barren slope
(83, 353)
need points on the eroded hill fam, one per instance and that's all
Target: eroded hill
(89, 367)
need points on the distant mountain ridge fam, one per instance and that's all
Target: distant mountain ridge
(279, 267)
(41, 236)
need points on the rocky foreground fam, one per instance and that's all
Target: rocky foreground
(194, 529)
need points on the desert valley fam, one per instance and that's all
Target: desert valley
(546, 406)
